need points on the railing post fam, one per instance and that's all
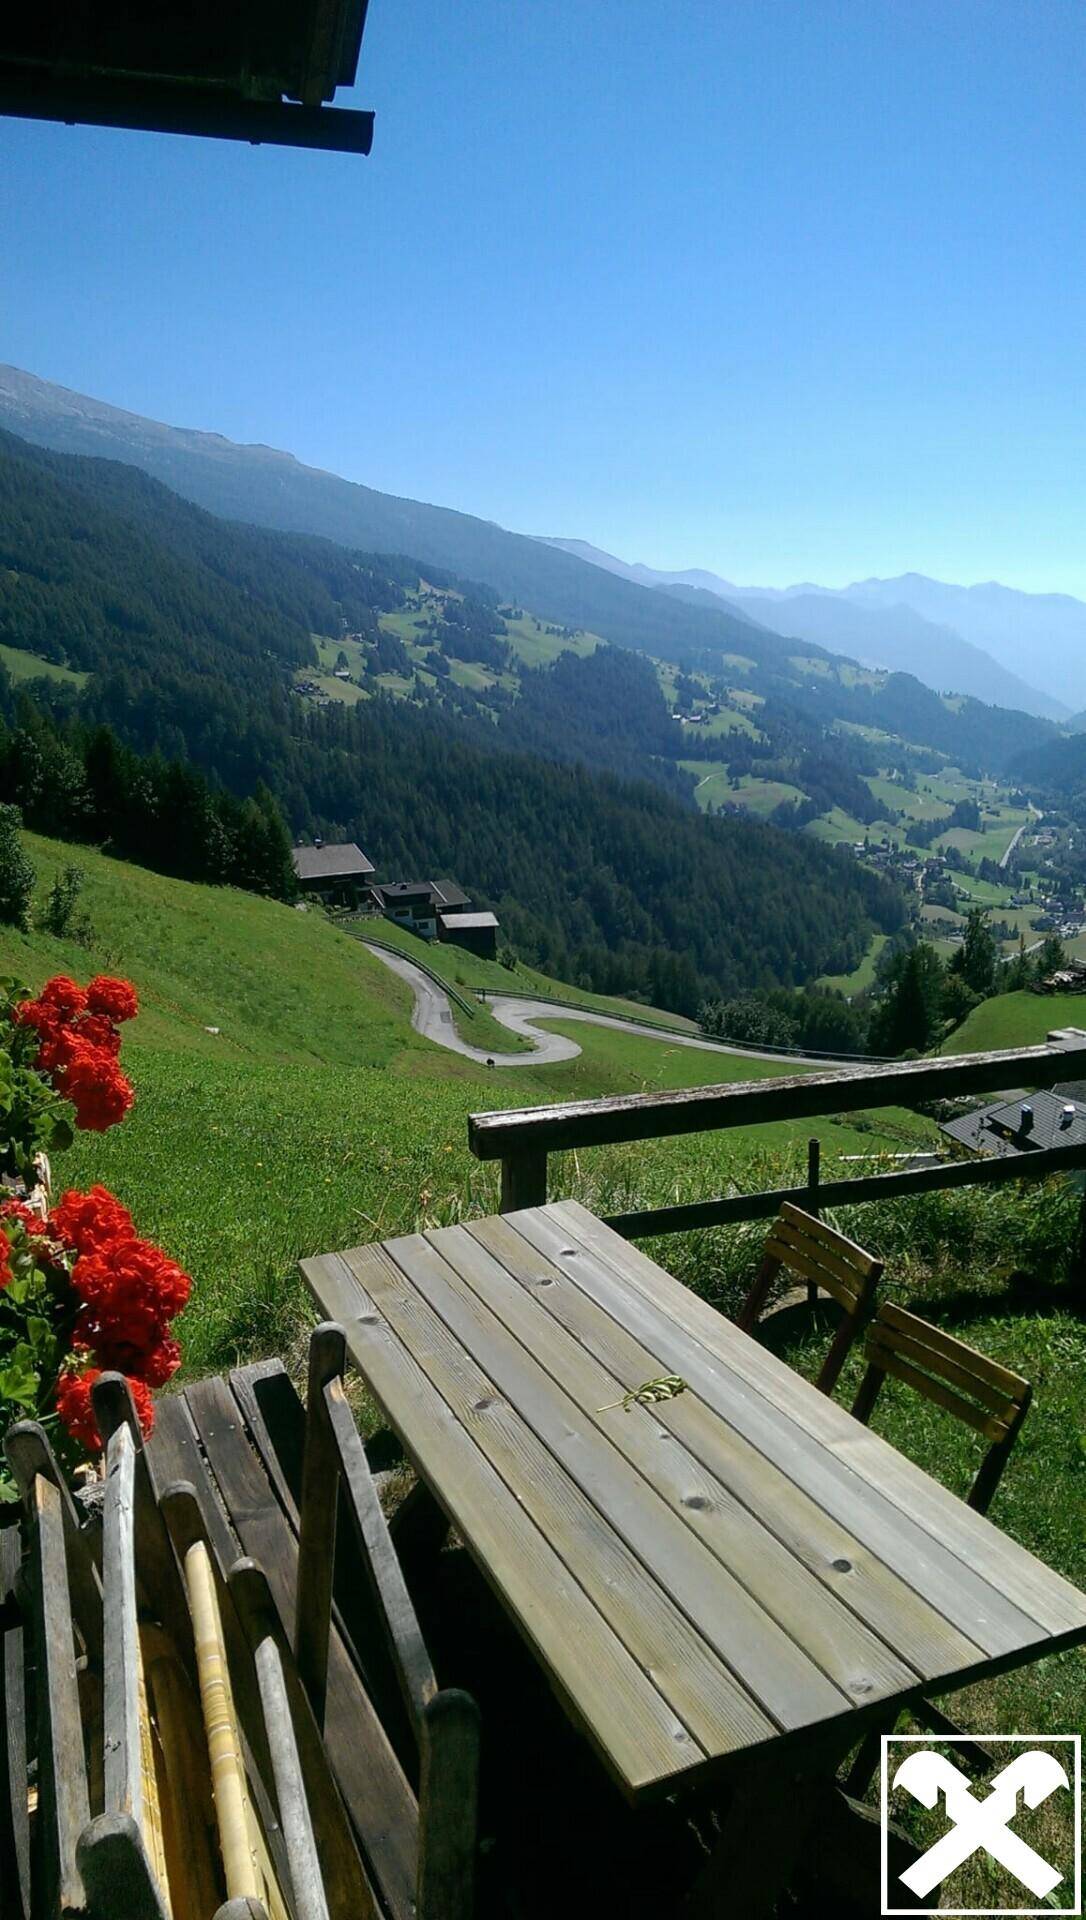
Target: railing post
(814, 1169)
(524, 1180)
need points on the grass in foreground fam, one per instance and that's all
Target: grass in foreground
(958, 1279)
(316, 1119)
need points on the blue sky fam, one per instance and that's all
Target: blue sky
(786, 288)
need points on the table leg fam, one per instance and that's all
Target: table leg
(787, 1823)
(845, 1854)
(419, 1530)
(761, 1833)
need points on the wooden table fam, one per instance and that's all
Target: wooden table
(742, 1576)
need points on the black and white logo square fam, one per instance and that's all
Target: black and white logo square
(1002, 1839)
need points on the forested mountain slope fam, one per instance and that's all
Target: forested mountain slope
(690, 627)
(192, 632)
(272, 489)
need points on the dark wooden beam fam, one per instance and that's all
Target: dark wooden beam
(526, 1131)
(848, 1193)
(159, 107)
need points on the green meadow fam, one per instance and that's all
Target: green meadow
(285, 1106)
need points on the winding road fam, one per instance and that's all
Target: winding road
(433, 1018)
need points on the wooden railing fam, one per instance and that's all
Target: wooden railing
(524, 1137)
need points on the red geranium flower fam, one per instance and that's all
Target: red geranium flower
(99, 1031)
(87, 1221)
(162, 1362)
(128, 1341)
(91, 1079)
(63, 994)
(31, 1222)
(47, 1022)
(77, 1413)
(132, 1277)
(116, 999)
(5, 1261)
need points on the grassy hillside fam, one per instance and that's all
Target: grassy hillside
(315, 1116)
(1017, 1020)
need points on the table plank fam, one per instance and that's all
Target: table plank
(1021, 1582)
(604, 1689)
(740, 1581)
(704, 1577)
(718, 1711)
(832, 1553)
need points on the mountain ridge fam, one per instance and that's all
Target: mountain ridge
(842, 620)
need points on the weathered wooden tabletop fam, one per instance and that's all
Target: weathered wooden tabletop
(741, 1564)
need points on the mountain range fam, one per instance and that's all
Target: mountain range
(955, 639)
(964, 640)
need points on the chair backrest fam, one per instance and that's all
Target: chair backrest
(336, 1477)
(99, 1841)
(826, 1259)
(988, 1397)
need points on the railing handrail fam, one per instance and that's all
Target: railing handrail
(522, 1138)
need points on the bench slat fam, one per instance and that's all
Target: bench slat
(276, 1421)
(63, 1801)
(405, 1642)
(320, 1846)
(122, 1776)
(14, 1820)
(378, 1798)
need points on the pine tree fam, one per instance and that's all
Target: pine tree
(17, 872)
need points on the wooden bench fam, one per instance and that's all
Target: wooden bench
(239, 1597)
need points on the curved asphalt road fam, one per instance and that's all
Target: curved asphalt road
(433, 1017)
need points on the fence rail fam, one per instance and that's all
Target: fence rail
(523, 1138)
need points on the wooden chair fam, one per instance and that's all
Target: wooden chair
(183, 1767)
(241, 1464)
(96, 1845)
(828, 1262)
(987, 1397)
(965, 1383)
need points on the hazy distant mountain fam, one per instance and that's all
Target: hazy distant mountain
(567, 583)
(880, 623)
(1044, 631)
(272, 489)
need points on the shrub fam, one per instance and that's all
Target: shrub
(17, 873)
(59, 916)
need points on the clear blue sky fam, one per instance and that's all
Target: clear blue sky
(786, 288)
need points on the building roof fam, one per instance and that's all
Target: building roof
(448, 894)
(220, 70)
(341, 860)
(460, 922)
(439, 893)
(998, 1129)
